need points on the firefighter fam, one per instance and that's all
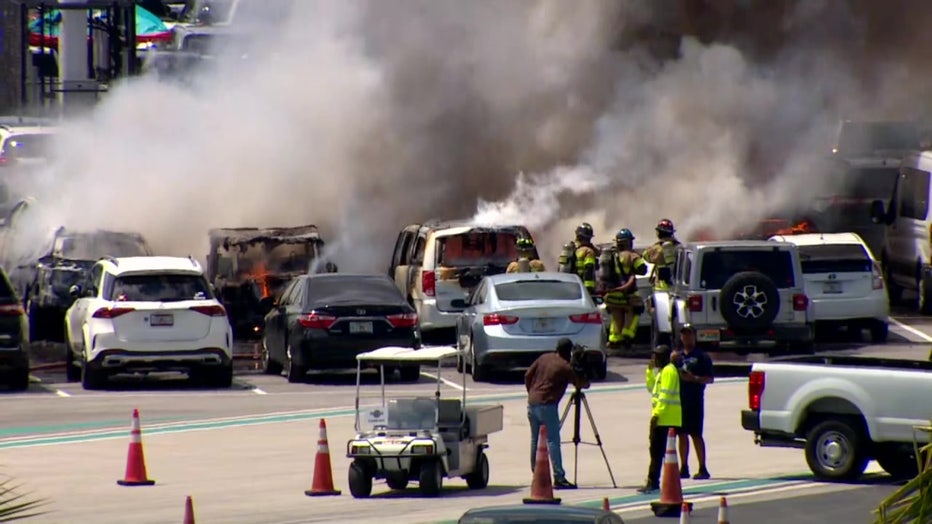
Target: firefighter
(621, 294)
(527, 260)
(586, 256)
(662, 254)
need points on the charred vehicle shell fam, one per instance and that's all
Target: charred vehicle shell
(249, 267)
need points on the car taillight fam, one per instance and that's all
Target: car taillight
(316, 321)
(402, 320)
(755, 389)
(11, 310)
(215, 310)
(4, 160)
(877, 277)
(694, 303)
(429, 283)
(800, 302)
(498, 320)
(587, 318)
(112, 312)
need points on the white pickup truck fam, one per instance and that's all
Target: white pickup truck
(844, 411)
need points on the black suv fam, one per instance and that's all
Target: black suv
(14, 342)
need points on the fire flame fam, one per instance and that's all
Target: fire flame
(799, 228)
(260, 274)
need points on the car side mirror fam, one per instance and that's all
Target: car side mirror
(75, 291)
(878, 213)
(459, 303)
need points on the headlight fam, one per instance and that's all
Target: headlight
(361, 449)
(422, 449)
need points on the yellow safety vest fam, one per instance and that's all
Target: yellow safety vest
(663, 255)
(651, 378)
(533, 266)
(585, 265)
(666, 398)
(627, 263)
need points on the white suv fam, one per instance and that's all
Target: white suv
(142, 314)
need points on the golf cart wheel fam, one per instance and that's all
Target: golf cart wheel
(431, 478)
(360, 481)
(398, 481)
(479, 478)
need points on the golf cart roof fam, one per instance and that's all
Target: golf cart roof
(396, 354)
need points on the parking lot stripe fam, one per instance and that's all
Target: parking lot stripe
(61, 393)
(906, 327)
(258, 391)
(450, 383)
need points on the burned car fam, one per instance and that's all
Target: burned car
(249, 267)
(44, 283)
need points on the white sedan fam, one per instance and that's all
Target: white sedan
(142, 314)
(843, 282)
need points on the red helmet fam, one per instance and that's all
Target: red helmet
(665, 226)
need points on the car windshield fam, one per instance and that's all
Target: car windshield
(719, 266)
(93, 247)
(538, 290)
(352, 290)
(835, 258)
(483, 248)
(160, 288)
(411, 413)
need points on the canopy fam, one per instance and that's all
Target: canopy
(46, 30)
(397, 354)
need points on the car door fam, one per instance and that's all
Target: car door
(91, 293)
(292, 310)
(400, 260)
(465, 321)
(909, 232)
(275, 323)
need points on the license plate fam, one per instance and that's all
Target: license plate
(360, 327)
(830, 288)
(162, 319)
(543, 325)
(708, 335)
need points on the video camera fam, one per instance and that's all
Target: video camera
(578, 361)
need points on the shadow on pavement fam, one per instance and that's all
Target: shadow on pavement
(450, 492)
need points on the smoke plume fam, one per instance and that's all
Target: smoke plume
(363, 116)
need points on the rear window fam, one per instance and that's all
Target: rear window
(28, 145)
(538, 290)
(372, 291)
(484, 248)
(159, 288)
(719, 266)
(835, 258)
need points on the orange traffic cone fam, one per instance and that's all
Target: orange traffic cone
(541, 484)
(322, 484)
(671, 493)
(723, 511)
(188, 511)
(685, 514)
(135, 459)
(605, 505)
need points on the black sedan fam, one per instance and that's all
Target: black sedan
(14, 339)
(322, 321)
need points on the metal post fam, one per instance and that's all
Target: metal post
(358, 377)
(24, 48)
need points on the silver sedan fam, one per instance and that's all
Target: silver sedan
(513, 318)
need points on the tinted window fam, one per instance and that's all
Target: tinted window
(834, 258)
(483, 248)
(914, 193)
(331, 291)
(159, 288)
(538, 290)
(719, 266)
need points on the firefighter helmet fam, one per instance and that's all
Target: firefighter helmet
(665, 227)
(624, 234)
(585, 231)
(524, 244)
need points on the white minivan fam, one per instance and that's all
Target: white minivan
(905, 256)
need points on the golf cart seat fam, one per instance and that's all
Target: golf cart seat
(450, 419)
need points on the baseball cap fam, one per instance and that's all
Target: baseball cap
(662, 349)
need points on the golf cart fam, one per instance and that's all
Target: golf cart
(418, 438)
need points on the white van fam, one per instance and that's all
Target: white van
(905, 256)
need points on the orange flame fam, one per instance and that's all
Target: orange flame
(260, 274)
(800, 228)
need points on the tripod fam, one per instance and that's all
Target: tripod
(578, 401)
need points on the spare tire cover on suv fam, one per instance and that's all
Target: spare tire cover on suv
(749, 301)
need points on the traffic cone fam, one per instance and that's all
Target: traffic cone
(671, 493)
(188, 511)
(605, 505)
(685, 514)
(541, 484)
(723, 511)
(135, 459)
(322, 484)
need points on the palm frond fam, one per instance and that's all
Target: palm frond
(16, 504)
(913, 501)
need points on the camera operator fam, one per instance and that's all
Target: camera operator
(546, 381)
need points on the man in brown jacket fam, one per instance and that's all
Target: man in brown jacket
(546, 381)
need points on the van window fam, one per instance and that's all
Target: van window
(483, 248)
(835, 258)
(719, 266)
(913, 193)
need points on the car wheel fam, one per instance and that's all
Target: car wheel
(600, 370)
(19, 379)
(72, 370)
(894, 291)
(479, 478)
(478, 372)
(880, 332)
(360, 482)
(36, 322)
(430, 478)
(221, 377)
(899, 461)
(269, 365)
(294, 372)
(656, 337)
(834, 451)
(924, 299)
(749, 301)
(91, 377)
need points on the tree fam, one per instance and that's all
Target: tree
(913, 501)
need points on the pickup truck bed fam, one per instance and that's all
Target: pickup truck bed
(843, 410)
